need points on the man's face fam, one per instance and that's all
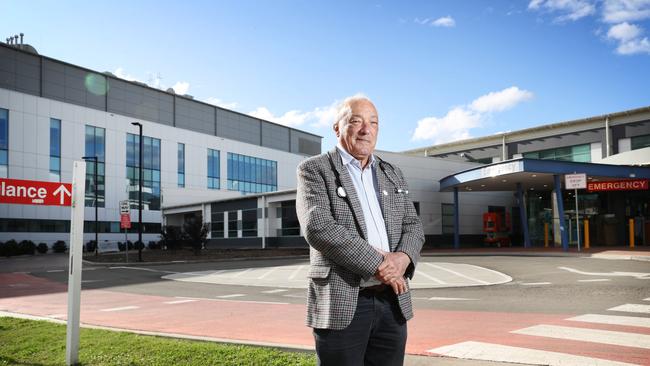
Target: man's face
(358, 136)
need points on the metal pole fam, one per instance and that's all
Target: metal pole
(577, 220)
(139, 193)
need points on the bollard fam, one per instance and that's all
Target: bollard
(586, 226)
(546, 235)
(631, 226)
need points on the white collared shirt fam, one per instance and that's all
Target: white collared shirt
(365, 184)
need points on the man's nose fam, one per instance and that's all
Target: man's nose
(365, 128)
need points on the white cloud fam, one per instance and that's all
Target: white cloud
(501, 100)
(570, 10)
(181, 87)
(318, 117)
(458, 122)
(447, 21)
(616, 11)
(120, 73)
(221, 103)
(624, 32)
(455, 125)
(634, 46)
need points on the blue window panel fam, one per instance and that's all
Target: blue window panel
(4, 157)
(181, 180)
(90, 141)
(55, 137)
(55, 164)
(181, 158)
(4, 129)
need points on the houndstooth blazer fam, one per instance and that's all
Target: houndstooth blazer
(336, 232)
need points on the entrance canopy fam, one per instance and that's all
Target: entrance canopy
(534, 173)
(523, 175)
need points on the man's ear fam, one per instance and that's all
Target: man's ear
(335, 127)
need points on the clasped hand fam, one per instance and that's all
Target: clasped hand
(391, 270)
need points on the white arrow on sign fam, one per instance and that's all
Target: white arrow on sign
(63, 192)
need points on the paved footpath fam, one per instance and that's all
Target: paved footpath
(615, 336)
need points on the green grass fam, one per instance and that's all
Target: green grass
(30, 342)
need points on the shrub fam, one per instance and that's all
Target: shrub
(59, 247)
(138, 245)
(172, 237)
(9, 248)
(154, 245)
(42, 248)
(26, 247)
(197, 233)
(129, 243)
(121, 246)
(90, 246)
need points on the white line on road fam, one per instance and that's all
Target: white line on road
(267, 273)
(22, 272)
(296, 296)
(632, 321)
(449, 299)
(500, 353)
(639, 275)
(91, 281)
(295, 272)
(535, 283)
(457, 273)
(121, 308)
(238, 301)
(596, 280)
(632, 308)
(648, 299)
(55, 270)
(424, 274)
(240, 273)
(274, 291)
(179, 301)
(229, 296)
(588, 335)
(142, 269)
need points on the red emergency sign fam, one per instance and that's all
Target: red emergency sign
(618, 185)
(33, 192)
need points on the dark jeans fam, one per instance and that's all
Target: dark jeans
(376, 335)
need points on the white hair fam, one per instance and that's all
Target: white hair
(344, 110)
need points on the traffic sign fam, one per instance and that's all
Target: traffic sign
(34, 192)
(125, 221)
(575, 181)
(124, 207)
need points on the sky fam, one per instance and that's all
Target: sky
(437, 71)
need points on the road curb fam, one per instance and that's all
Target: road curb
(140, 264)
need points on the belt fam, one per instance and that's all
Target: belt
(373, 290)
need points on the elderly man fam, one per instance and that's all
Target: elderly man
(365, 238)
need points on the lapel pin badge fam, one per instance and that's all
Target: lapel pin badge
(340, 191)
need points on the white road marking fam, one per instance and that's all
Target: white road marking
(229, 296)
(596, 280)
(424, 274)
(142, 269)
(648, 299)
(458, 274)
(613, 319)
(295, 272)
(179, 301)
(121, 308)
(240, 273)
(588, 335)
(22, 272)
(238, 301)
(535, 283)
(449, 299)
(267, 273)
(639, 275)
(632, 308)
(90, 281)
(496, 352)
(296, 296)
(55, 270)
(274, 291)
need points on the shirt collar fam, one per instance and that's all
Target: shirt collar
(346, 158)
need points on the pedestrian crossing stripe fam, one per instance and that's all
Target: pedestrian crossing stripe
(632, 308)
(588, 335)
(496, 352)
(632, 321)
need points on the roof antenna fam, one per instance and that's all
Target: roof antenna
(21, 37)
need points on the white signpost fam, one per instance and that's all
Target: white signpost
(125, 223)
(575, 182)
(74, 275)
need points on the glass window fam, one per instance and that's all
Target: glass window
(95, 147)
(213, 169)
(249, 174)
(578, 153)
(447, 218)
(4, 143)
(55, 150)
(232, 224)
(636, 142)
(150, 171)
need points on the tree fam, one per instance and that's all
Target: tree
(196, 232)
(172, 237)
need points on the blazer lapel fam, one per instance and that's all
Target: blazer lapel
(347, 184)
(384, 186)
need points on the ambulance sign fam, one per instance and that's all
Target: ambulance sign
(33, 192)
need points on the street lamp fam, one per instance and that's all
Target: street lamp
(139, 194)
(96, 167)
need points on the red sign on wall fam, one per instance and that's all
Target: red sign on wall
(125, 221)
(618, 185)
(34, 192)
